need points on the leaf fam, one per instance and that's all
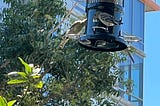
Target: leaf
(22, 74)
(28, 69)
(11, 103)
(3, 101)
(16, 81)
(36, 76)
(12, 73)
(39, 85)
(49, 17)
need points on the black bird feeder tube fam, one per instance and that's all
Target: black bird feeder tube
(103, 29)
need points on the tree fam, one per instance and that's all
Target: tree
(71, 76)
(24, 30)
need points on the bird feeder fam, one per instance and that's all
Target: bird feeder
(103, 28)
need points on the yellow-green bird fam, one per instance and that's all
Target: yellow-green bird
(73, 32)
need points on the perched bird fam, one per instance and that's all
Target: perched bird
(107, 19)
(73, 32)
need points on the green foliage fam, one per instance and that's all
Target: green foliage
(28, 69)
(30, 72)
(39, 84)
(25, 27)
(3, 102)
(30, 80)
(24, 33)
(11, 103)
(129, 86)
(77, 74)
(70, 76)
(16, 81)
(28, 76)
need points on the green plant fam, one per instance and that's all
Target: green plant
(29, 80)
(24, 33)
(71, 76)
(31, 76)
(3, 102)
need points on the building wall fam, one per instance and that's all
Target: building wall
(133, 24)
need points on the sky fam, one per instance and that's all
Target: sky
(152, 60)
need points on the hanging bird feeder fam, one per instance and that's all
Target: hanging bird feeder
(103, 29)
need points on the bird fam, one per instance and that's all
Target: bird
(107, 19)
(73, 32)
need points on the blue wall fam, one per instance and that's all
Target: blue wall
(133, 23)
(133, 19)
